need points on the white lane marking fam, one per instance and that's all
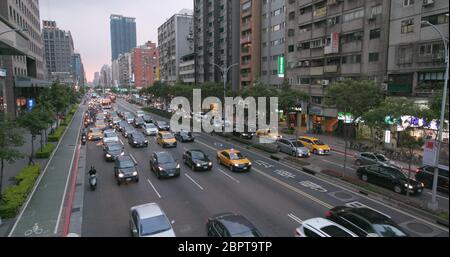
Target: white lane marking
(439, 196)
(132, 157)
(156, 191)
(295, 218)
(337, 164)
(121, 141)
(360, 205)
(193, 181)
(229, 176)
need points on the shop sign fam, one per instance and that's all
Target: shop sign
(314, 110)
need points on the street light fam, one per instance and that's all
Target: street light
(224, 71)
(13, 30)
(434, 204)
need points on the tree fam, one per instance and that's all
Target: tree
(10, 138)
(34, 123)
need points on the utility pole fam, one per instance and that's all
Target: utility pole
(225, 71)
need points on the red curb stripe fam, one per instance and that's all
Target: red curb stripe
(72, 193)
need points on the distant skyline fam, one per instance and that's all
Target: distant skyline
(88, 22)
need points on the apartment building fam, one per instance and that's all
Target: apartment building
(329, 40)
(145, 64)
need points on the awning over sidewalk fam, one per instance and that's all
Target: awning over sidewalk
(27, 82)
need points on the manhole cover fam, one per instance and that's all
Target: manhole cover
(343, 196)
(419, 228)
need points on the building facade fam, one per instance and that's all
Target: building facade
(78, 70)
(217, 40)
(21, 54)
(416, 65)
(105, 76)
(330, 40)
(58, 53)
(123, 35)
(145, 62)
(175, 39)
(187, 69)
(126, 79)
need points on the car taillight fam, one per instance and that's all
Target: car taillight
(418, 170)
(328, 214)
(297, 233)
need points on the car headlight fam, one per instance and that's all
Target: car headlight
(146, 141)
(108, 155)
(422, 184)
(178, 166)
(249, 163)
(135, 142)
(236, 165)
(121, 175)
(122, 154)
(210, 163)
(410, 186)
(199, 165)
(161, 169)
(135, 173)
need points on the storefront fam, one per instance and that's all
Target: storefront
(322, 120)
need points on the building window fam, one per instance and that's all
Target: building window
(354, 15)
(291, 32)
(436, 19)
(375, 33)
(407, 26)
(291, 48)
(408, 3)
(292, 16)
(374, 57)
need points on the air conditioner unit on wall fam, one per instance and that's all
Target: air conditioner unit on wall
(428, 2)
(325, 82)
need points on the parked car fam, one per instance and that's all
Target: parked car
(149, 220)
(365, 222)
(137, 140)
(112, 151)
(150, 129)
(184, 136)
(320, 227)
(164, 165)
(368, 158)
(166, 139)
(293, 147)
(162, 126)
(128, 131)
(315, 145)
(197, 160)
(147, 118)
(125, 170)
(231, 225)
(138, 122)
(426, 174)
(110, 137)
(389, 177)
(234, 160)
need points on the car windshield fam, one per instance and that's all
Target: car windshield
(139, 120)
(162, 123)
(96, 130)
(388, 230)
(335, 231)
(126, 164)
(110, 135)
(248, 233)
(150, 126)
(198, 156)
(318, 142)
(165, 158)
(167, 136)
(298, 144)
(138, 136)
(382, 158)
(185, 134)
(155, 225)
(115, 147)
(236, 156)
(130, 130)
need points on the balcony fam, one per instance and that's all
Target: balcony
(316, 90)
(331, 68)
(316, 71)
(321, 12)
(354, 68)
(245, 40)
(246, 26)
(351, 47)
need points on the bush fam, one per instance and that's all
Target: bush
(158, 112)
(45, 152)
(73, 110)
(57, 134)
(270, 148)
(15, 196)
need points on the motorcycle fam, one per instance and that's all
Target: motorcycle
(93, 181)
(83, 140)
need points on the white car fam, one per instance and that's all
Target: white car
(320, 227)
(149, 220)
(150, 129)
(110, 136)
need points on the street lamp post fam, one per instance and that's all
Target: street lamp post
(434, 204)
(224, 71)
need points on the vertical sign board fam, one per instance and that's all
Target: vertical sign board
(430, 153)
(335, 42)
(281, 66)
(31, 104)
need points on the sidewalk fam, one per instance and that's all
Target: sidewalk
(41, 214)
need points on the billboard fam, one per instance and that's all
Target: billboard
(281, 66)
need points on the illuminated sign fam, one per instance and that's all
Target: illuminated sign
(281, 66)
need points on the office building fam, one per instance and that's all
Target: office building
(123, 35)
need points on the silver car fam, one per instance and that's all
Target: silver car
(149, 220)
(363, 159)
(293, 147)
(150, 129)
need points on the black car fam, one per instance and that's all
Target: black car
(184, 136)
(162, 126)
(246, 134)
(231, 225)
(164, 165)
(389, 177)
(147, 118)
(112, 151)
(426, 174)
(125, 170)
(138, 122)
(122, 125)
(197, 160)
(128, 131)
(365, 222)
(137, 140)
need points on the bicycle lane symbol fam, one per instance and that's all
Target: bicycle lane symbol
(35, 230)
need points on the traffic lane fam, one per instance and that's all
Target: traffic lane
(106, 210)
(336, 195)
(398, 215)
(222, 194)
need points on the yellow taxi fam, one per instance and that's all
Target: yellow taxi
(166, 139)
(234, 160)
(315, 145)
(95, 134)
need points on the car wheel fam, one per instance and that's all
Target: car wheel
(136, 180)
(398, 189)
(231, 167)
(193, 167)
(118, 182)
(294, 154)
(158, 175)
(364, 178)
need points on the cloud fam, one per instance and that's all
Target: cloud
(88, 22)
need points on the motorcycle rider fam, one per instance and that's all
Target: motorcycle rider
(93, 171)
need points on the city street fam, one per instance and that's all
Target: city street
(276, 197)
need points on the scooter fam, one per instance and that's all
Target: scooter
(83, 140)
(93, 182)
